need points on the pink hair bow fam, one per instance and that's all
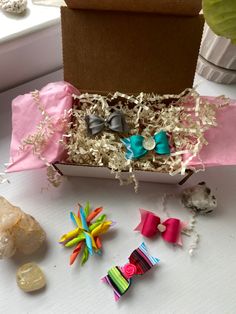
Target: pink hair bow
(151, 225)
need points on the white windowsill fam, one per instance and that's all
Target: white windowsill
(30, 45)
(36, 17)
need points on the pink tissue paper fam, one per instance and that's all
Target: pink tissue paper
(55, 98)
(221, 148)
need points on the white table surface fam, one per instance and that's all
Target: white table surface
(203, 284)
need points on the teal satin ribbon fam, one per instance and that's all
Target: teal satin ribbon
(85, 227)
(135, 149)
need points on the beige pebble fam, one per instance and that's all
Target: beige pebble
(30, 277)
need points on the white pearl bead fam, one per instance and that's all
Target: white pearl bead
(149, 143)
(161, 228)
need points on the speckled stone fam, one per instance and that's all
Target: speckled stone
(30, 277)
(199, 199)
(13, 6)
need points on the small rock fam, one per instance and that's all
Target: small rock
(30, 277)
(13, 6)
(7, 245)
(199, 199)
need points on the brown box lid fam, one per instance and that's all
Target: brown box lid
(108, 51)
(179, 7)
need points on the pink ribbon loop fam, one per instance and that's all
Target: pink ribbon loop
(151, 225)
(173, 230)
(148, 224)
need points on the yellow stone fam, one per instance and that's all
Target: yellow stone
(30, 277)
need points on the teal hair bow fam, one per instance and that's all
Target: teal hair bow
(138, 146)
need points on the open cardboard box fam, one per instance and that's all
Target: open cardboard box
(130, 46)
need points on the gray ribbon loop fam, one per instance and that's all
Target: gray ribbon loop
(115, 122)
(95, 124)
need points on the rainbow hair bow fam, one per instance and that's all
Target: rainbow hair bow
(137, 146)
(120, 278)
(151, 225)
(87, 233)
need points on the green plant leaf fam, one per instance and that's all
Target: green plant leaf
(220, 15)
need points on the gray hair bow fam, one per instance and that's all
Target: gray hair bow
(115, 122)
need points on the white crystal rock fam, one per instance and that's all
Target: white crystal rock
(18, 231)
(30, 277)
(199, 199)
(7, 245)
(13, 6)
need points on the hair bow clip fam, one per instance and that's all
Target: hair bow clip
(138, 146)
(87, 232)
(115, 122)
(170, 229)
(200, 201)
(120, 278)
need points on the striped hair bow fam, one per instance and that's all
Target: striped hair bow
(151, 225)
(120, 278)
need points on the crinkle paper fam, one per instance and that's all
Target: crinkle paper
(185, 118)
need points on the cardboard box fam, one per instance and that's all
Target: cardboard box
(106, 51)
(105, 173)
(173, 7)
(130, 46)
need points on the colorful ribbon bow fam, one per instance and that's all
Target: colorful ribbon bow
(86, 232)
(115, 122)
(137, 146)
(170, 229)
(120, 278)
